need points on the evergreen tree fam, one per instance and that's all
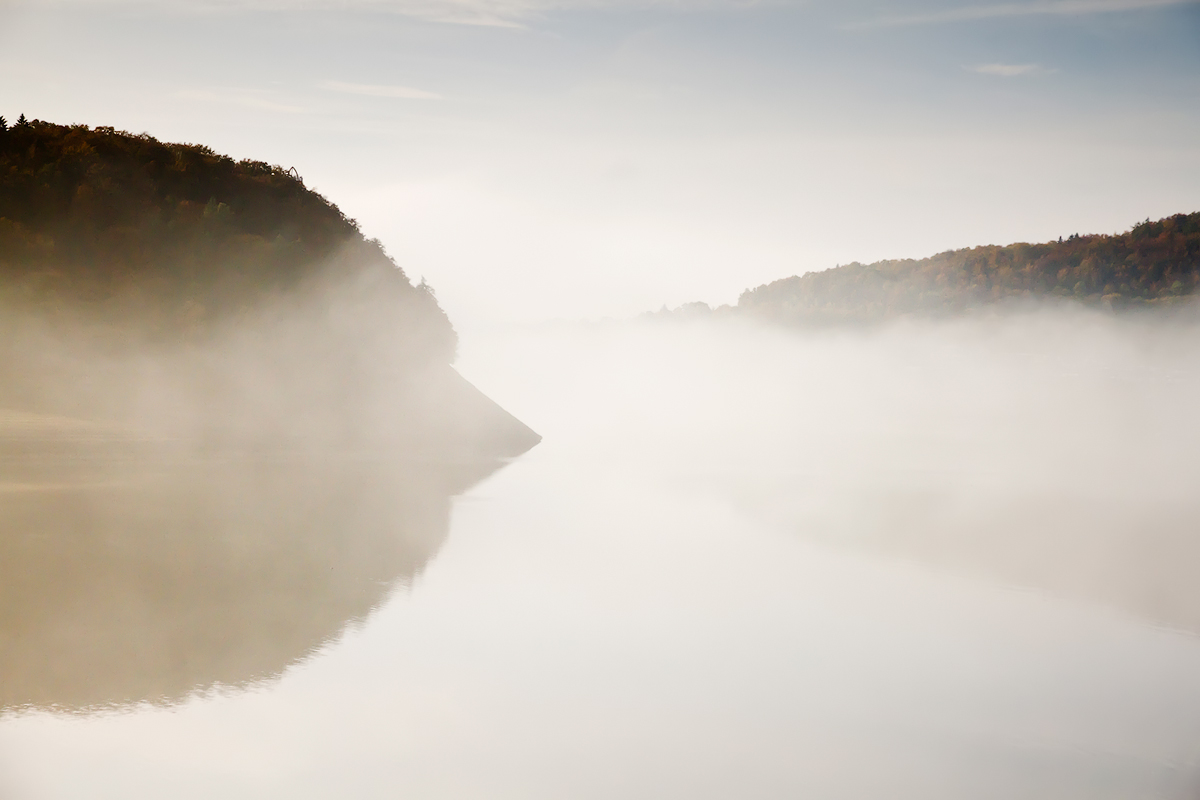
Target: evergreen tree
(21, 121)
(3, 124)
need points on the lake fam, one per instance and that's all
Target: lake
(932, 560)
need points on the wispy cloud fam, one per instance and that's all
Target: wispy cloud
(246, 98)
(1007, 70)
(370, 90)
(492, 13)
(488, 13)
(1000, 10)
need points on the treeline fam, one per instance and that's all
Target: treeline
(1156, 264)
(172, 236)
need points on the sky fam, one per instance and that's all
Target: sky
(566, 159)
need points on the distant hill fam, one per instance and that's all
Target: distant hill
(142, 280)
(1154, 265)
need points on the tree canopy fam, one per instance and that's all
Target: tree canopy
(1153, 265)
(97, 219)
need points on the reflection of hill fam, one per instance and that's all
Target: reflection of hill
(1116, 543)
(147, 580)
(1135, 557)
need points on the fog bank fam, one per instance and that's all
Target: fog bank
(1051, 449)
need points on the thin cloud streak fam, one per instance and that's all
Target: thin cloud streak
(1007, 70)
(487, 13)
(370, 90)
(239, 97)
(1062, 8)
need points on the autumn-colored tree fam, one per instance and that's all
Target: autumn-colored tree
(175, 236)
(1154, 264)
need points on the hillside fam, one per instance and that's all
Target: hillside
(171, 287)
(1153, 265)
(173, 237)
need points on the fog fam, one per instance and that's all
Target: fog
(200, 499)
(350, 358)
(305, 546)
(928, 559)
(1049, 448)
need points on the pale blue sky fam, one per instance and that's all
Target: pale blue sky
(538, 159)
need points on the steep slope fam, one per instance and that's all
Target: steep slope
(206, 299)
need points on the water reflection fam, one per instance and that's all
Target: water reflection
(140, 575)
(1137, 560)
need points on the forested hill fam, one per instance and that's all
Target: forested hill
(172, 236)
(1154, 265)
(195, 298)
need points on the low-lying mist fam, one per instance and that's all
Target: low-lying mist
(343, 360)
(197, 502)
(1049, 447)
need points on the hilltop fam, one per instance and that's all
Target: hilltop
(173, 237)
(145, 281)
(1153, 265)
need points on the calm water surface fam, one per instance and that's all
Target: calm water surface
(928, 562)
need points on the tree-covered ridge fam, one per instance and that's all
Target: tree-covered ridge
(107, 218)
(1154, 264)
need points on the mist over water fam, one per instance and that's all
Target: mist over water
(926, 560)
(1047, 447)
(268, 528)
